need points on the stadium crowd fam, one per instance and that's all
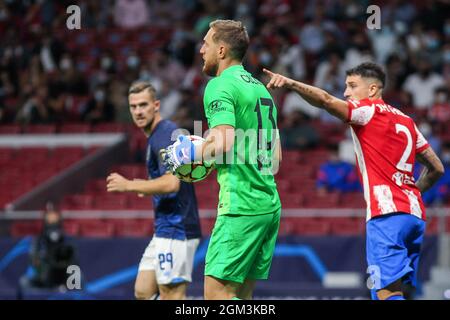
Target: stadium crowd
(50, 74)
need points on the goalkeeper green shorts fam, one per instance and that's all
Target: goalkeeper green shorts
(241, 246)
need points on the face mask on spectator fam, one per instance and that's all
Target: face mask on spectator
(447, 56)
(99, 95)
(265, 58)
(447, 29)
(106, 62)
(432, 43)
(446, 157)
(441, 98)
(133, 61)
(425, 129)
(65, 64)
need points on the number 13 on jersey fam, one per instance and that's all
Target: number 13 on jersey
(267, 136)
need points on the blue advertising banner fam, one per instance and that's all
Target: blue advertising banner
(331, 267)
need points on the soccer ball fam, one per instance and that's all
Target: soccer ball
(196, 171)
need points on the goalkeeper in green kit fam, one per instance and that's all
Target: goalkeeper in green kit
(244, 142)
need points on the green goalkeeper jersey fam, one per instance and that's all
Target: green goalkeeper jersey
(247, 185)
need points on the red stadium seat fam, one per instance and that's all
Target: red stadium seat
(75, 128)
(71, 228)
(292, 200)
(432, 225)
(283, 186)
(109, 127)
(68, 152)
(96, 186)
(314, 200)
(353, 200)
(133, 228)
(139, 203)
(97, 229)
(207, 225)
(25, 228)
(40, 129)
(10, 129)
(118, 201)
(33, 155)
(131, 171)
(209, 201)
(6, 155)
(311, 226)
(287, 226)
(447, 224)
(78, 202)
(346, 225)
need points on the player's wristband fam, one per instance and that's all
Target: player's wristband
(197, 153)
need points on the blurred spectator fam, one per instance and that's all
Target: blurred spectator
(422, 84)
(291, 60)
(293, 103)
(50, 255)
(312, 34)
(163, 67)
(359, 51)
(131, 14)
(72, 80)
(34, 110)
(440, 111)
(50, 52)
(395, 75)
(118, 95)
(384, 41)
(439, 193)
(170, 100)
(297, 133)
(330, 75)
(416, 38)
(188, 111)
(337, 175)
(428, 132)
(182, 44)
(346, 150)
(399, 11)
(98, 108)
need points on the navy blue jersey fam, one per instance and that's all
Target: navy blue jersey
(176, 214)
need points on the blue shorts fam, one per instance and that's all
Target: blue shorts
(393, 244)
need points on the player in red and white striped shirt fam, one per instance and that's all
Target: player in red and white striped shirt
(386, 143)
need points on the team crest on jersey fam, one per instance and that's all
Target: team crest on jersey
(402, 178)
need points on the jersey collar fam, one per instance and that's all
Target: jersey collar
(232, 68)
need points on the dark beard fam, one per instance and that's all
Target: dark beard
(149, 125)
(211, 70)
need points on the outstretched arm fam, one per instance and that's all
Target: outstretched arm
(313, 95)
(167, 183)
(433, 169)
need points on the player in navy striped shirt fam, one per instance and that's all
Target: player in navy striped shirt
(167, 263)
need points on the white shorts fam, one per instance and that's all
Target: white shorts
(172, 260)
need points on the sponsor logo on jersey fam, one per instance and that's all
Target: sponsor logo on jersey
(216, 106)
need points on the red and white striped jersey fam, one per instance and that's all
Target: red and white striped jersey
(386, 142)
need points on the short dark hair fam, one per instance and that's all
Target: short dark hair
(140, 85)
(232, 33)
(368, 70)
